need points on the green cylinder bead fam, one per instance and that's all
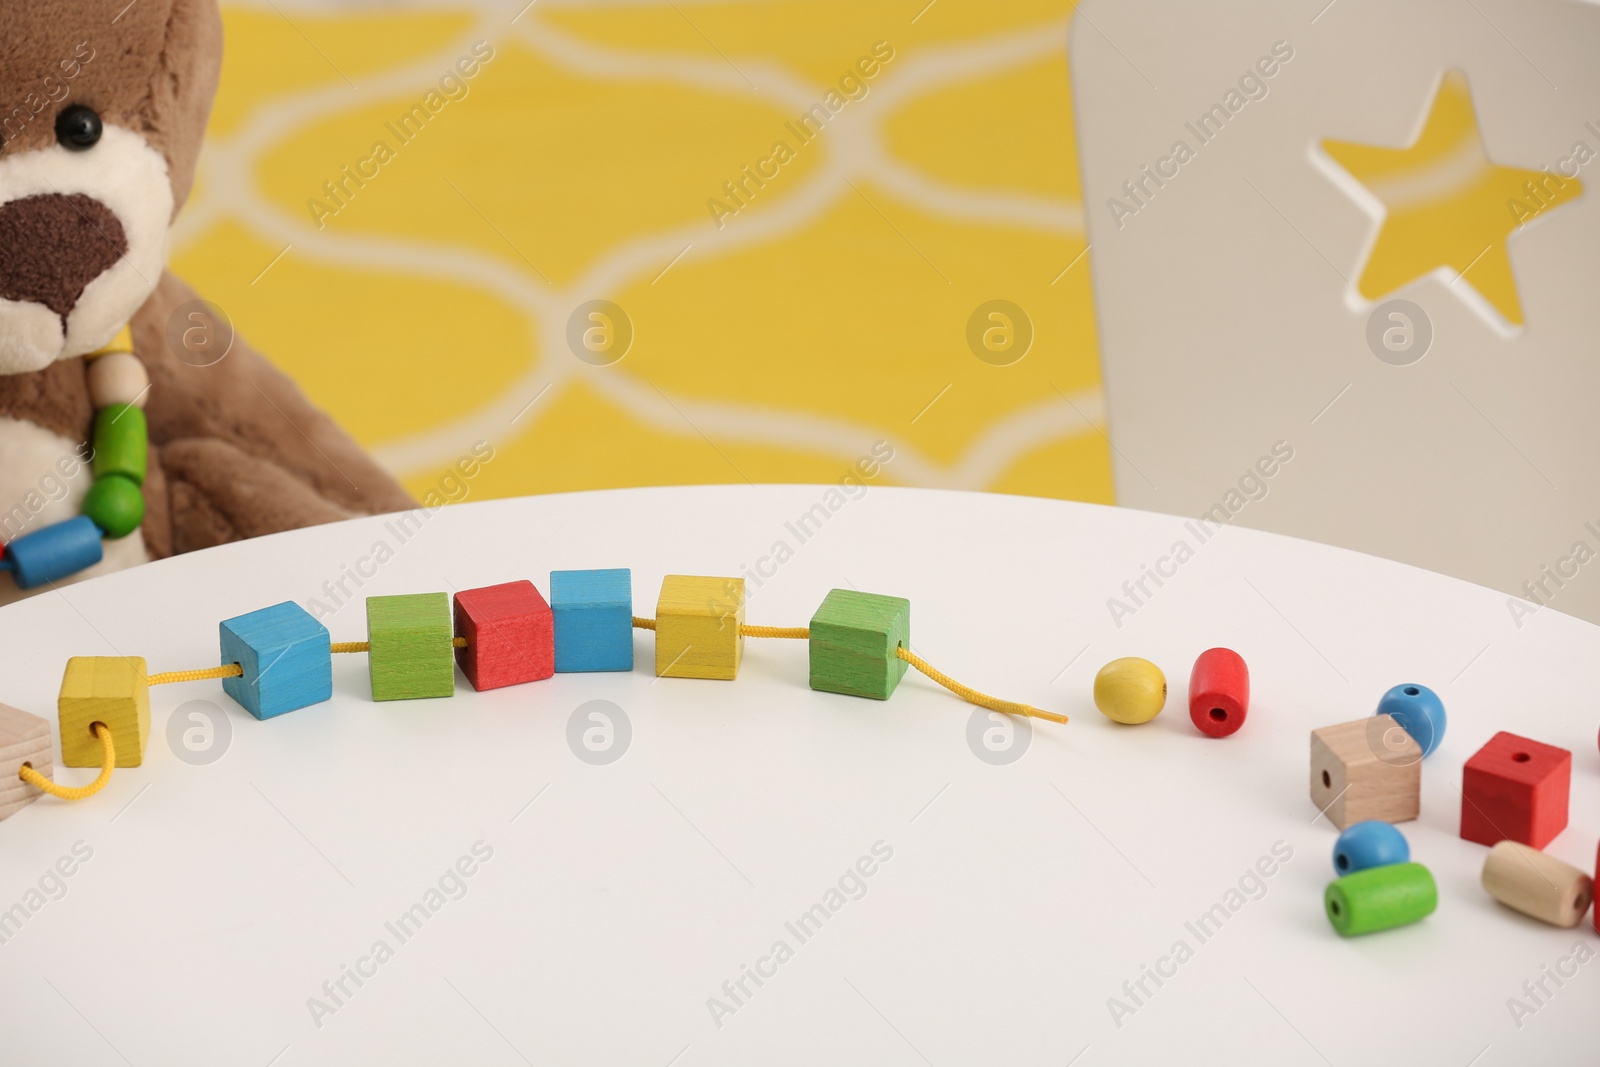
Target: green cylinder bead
(115, 504)
(1380, 898)
(121, 442)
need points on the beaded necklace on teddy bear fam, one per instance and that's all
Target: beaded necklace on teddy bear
(114, 505)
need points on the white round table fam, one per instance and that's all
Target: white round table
(752, 872)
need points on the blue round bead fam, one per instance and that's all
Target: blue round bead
(1373, 843)
(1419, 711)
(56, 551)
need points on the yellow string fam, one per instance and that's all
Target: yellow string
(227, 670)
(799, 632)
(965, 692)
(233, 670)
(972, 696)
(108, 763)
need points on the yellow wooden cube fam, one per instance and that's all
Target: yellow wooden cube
(109, 689)
(697, 627)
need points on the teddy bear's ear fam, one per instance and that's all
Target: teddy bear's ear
(182, 83)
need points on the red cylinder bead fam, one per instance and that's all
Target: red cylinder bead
(1219, 692)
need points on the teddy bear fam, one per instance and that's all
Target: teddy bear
(133, 424)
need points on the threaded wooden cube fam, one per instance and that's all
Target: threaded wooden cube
(853, 641)
(411, 653)
(111, 689)
(509, 635)
(285, 656)
(593, 614)
(697, 627)
(24, 738)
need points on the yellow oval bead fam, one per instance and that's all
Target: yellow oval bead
(1130, 690)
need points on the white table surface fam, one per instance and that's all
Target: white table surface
(619, 897)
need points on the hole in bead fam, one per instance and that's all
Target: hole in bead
(1520, 757)
(1327, 780)
(1342, 862)
(1412, 690)
(1219, 715)
(1333, 906)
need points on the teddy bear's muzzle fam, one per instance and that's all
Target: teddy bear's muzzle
(52, 246)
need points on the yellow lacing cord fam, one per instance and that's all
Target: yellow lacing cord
(227, 670)
(965, 692)
(798, 632)
(108, 763)
(971, 695)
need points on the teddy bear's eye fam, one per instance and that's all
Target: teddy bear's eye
(77, 128)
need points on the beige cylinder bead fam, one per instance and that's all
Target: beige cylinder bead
(1526, 880)
(118, 378)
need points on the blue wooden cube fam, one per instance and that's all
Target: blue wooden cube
(593, 619)
(286, 658)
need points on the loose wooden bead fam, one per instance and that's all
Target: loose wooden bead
(24, 738)
(1367, 769)
(55, 552)
(697, 627)
(121, 443)
(115, 505)
(1130, 690)
(1526, 880)
(509, 632)
(1380, 898)
(853, 641)
(593, 615)
(1219, 692)
(110, 689)
(1515, 788)
(410, 653)
(1369, 843)
(286, 658)
(119, 378)
(1419, 711)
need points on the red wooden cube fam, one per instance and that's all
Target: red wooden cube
(510, 635)
(1515, 788)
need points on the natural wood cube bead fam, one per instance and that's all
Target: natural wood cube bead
(697, 627)
(114, 690)
(1366, 769)
(24, 738)
(1526, 880)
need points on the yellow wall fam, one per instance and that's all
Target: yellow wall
(425, 309)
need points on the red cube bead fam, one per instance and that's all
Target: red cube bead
(510, 635)
(1515, 788)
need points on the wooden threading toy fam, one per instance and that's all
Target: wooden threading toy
(280, 659)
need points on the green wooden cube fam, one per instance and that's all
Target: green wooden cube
(853, 641)
(412, 654)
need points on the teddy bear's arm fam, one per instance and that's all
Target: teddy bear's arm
(285, 464)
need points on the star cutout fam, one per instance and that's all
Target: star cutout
(1444, 205)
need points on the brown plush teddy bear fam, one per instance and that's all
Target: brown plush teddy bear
(103, 104)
